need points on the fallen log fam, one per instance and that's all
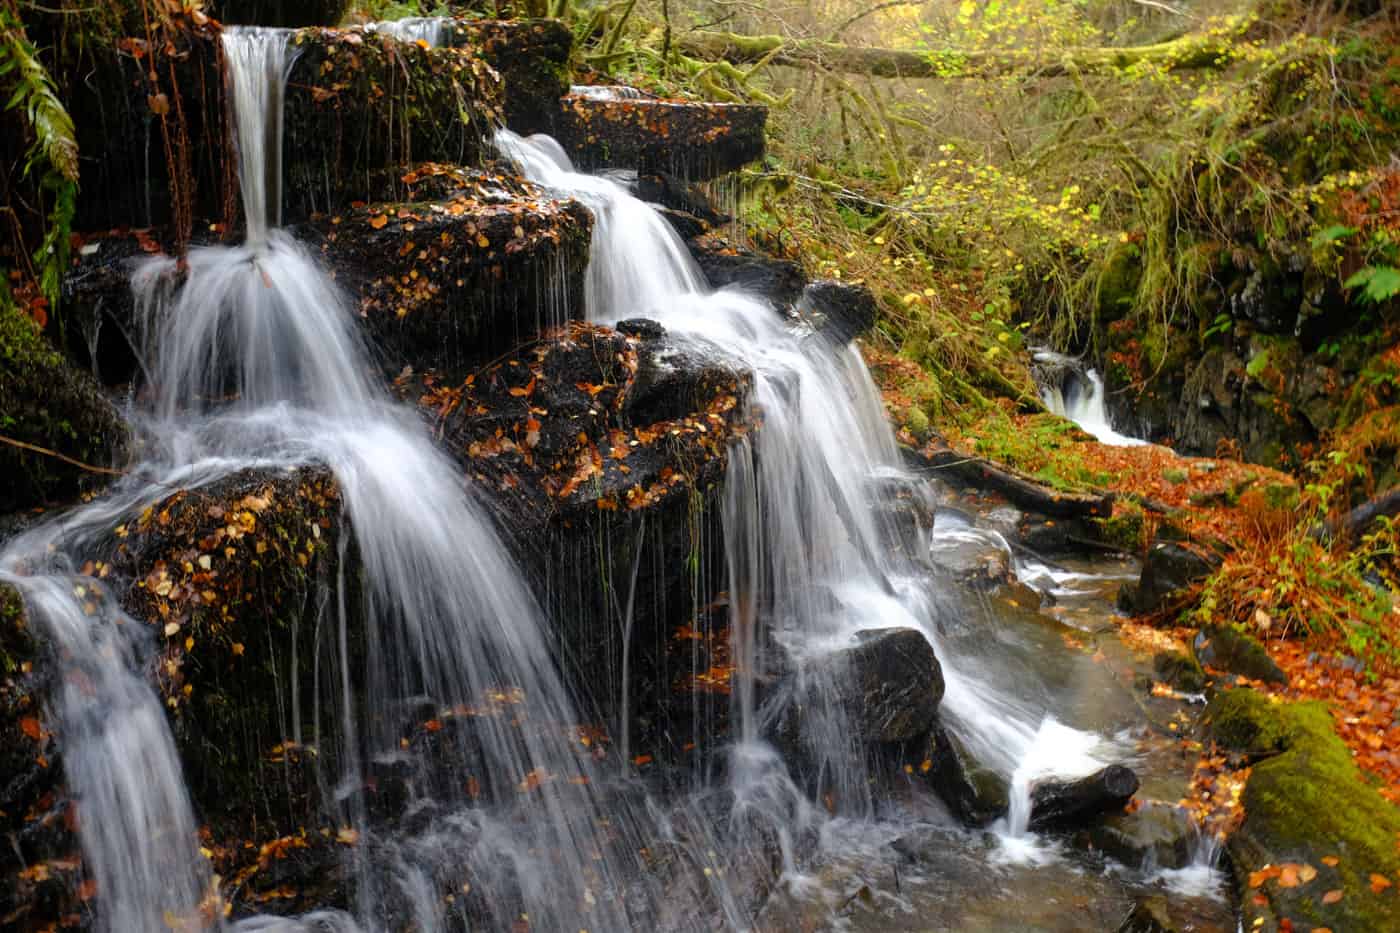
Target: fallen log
(1353, 523)
(1186, 52)
(1059, 804)
(1021, 490)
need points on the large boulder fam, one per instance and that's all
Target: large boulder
(1305, 804)
(896, 684)
(1228, 649)
(605, 453)
(61, 431)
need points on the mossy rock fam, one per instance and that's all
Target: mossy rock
(46, 402)
(1228, 649)
(1307, 801)
(1126, 528)
(1179, 669)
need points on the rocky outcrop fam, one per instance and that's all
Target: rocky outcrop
(361, 105)
(896, 684)
(975, 794)
(281, 13)
(695, 141)
(1153, 836)
(531, 58)
(780, 281)
(59, 434)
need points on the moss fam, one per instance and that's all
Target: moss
(1176, 476)
(917, 423)
(1179, 669)
(1125, 529)
(1307, 801)
(47, 403)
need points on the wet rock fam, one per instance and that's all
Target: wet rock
(677, 194)
(780, 281)
(976, 794)
(1151, 914)
(36, 812)
(1228, 649)
(1180, 670)
(1168, 571)
(1154, 836)
(126, 180)
(49, 404)
(358, 104)
(839, 310)
(450, 283)
(695, 141)
(1064, 804)
(531, 56)
(896, 684)
(615, 516)
(674, 379)
(978, 564)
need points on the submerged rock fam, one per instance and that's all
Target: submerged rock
(73, 431)
(1154, 836)
(1064, 804)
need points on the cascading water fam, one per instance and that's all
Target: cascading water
(430, 30)
(1078, 394)
(255, 362)
(810, 563)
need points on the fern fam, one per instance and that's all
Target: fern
(54, 152)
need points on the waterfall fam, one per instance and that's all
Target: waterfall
(1074, 392)
(255, 360)
(810, 562)
(430, 30)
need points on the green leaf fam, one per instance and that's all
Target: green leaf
(1333, 233)
(1381, 283)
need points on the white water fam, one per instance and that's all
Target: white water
(431, 30)
(810, 563)
(1079, 396)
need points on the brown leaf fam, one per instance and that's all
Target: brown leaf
(30, 727)
(160, 104)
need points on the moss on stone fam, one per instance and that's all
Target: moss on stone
(1306, 801)
(1125, 529)
(47, 403)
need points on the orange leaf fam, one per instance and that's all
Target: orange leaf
(1306, 873)
(1379, 883)
(1330, 861)
(30, 726)
(1288, 878)
(378, 221)
(1333, 896)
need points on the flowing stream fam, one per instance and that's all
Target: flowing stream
(1071, 391)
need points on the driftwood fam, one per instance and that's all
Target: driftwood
(1021, 490)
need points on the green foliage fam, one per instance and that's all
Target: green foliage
(52, 156)
(1377, 283)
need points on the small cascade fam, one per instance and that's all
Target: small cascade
(810, 563)
(1071, 391)
(430, 30)
(607, 92)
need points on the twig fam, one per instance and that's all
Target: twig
(35, 448)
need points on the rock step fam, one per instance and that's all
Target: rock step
(477, 264)
(696, 141)
(449, 283)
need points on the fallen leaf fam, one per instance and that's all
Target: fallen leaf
(1333, 896)
(378, 221)
(1379, 883)
(30, 727)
